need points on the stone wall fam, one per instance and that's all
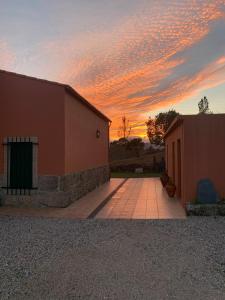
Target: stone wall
(217, 209)
(1, 180)
(58, 191)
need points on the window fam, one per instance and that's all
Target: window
(20, 173)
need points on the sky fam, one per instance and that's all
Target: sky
(127, 57)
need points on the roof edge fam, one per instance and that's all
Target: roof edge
(176, 122)
(85, 102)
(31, 77)
(67, 88)
(181, 118)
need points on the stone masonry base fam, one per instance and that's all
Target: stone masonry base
(206, 209)
(58, 191)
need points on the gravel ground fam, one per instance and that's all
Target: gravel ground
(112, 259)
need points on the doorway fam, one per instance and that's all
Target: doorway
(21, 165)
(178, 168)
(173, 162)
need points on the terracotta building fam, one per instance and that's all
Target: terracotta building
(54, 143)
(195, 150)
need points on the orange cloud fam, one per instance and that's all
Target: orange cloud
(140, 64)
(139, 55)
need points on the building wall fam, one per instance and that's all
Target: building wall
(31, 107)
(204, 146)
(172, 167)
(82, 149)
(71, 160)
(202, 153)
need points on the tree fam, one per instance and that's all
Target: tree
(125, 129)
(136, 145)
(157, 127)
(124, 148)
(154, 132)
(203, 106)
(164, 119)
(150, 128)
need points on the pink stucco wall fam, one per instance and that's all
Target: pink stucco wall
(204, 152)
(203, 148)
(174, 136)
(32, 107)
(65, 127)
(82, 149)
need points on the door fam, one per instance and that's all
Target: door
(173, 162)
(178, 168)
(21, 165)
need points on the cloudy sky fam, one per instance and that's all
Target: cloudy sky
(132, 57)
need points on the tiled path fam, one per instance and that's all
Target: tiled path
(80, 209)
(142, 198)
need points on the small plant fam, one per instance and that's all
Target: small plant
(164, 178)
(170, 188)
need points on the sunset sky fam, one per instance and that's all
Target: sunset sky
(132, 57)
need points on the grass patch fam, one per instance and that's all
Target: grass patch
(133, 175)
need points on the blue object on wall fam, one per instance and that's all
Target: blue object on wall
(206, 193)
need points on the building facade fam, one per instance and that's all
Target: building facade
(195, 147)
(54, 144)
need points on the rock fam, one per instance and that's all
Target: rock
(139, 170)
(205, 209)
(206, 193)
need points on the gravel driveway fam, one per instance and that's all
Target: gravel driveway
(106, 259)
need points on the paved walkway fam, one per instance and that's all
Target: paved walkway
(80, 209)
(138, 198)
(142, 198)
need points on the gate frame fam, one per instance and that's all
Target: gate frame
(6, 174)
